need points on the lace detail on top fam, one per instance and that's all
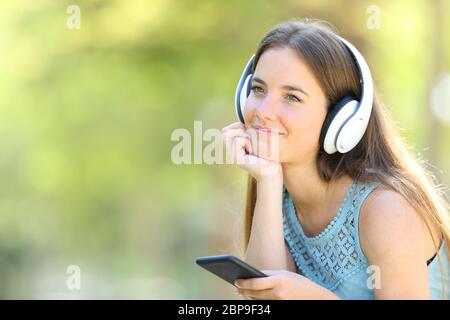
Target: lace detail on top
(335, 254)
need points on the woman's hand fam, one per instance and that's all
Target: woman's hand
(239, 151)
(282, 285)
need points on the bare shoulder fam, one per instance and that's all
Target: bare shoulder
(391, 227)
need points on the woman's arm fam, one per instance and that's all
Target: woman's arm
(266, 248)
(394, 239)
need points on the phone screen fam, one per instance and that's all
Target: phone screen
(229, 268)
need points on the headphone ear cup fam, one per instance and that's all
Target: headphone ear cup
(249, 84)
(335, 119)
(243, 94)
(243, 89)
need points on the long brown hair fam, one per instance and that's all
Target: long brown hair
(381, 147)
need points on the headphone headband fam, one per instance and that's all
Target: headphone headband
(362, 114)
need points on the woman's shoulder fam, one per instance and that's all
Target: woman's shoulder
(390, 225)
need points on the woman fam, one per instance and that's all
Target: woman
(369, 223)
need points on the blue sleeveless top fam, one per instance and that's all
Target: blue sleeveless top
(334, 259)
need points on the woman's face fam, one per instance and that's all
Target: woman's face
(287, 99)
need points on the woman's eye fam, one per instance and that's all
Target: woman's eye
(257, 89)
(293, 98)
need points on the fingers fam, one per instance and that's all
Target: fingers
(234, 125)
(258, 294)
(244, 149)
(256, 283)
(267, 288)
(237, 142)
(231, 133)
(248, 146)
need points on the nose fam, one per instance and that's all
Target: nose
(267, 109)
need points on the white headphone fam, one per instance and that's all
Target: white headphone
(346, 121)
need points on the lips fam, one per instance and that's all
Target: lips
(266, 130)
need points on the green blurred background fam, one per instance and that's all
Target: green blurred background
(86, 117)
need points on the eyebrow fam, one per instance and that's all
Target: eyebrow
(290, 88)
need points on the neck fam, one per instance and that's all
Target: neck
(311, 194)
